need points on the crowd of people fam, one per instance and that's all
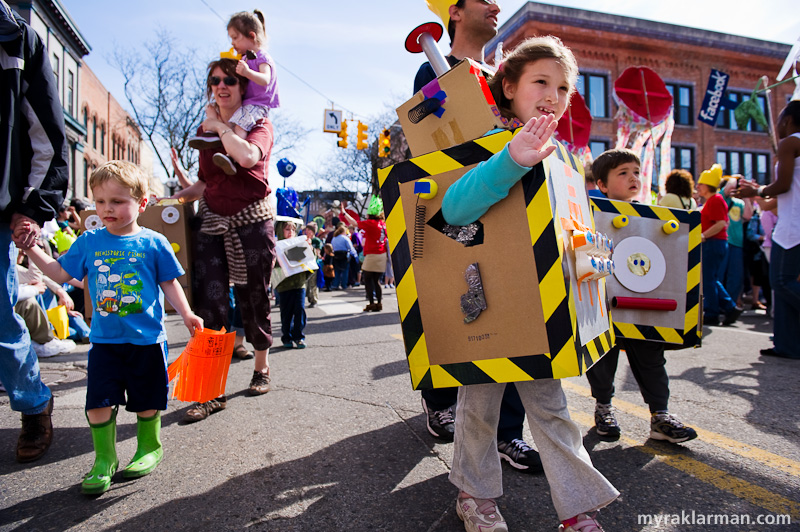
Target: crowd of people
(750, 257)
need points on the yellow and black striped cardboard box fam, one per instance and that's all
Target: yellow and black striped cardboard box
(668, 241)
(533, 326)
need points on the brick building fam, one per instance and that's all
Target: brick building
(111, 133)
(66, 48)
(97, 127)
(605, 45)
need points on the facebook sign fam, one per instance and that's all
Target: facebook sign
(714, 99)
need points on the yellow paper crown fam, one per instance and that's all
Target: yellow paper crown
(442, 9)
(711, 177)
(230, 54)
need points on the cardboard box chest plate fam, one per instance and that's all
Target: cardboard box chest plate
(535, 324)
(172, 221)
(657, 258)
(468, 111)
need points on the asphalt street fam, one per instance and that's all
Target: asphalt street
(340, 444)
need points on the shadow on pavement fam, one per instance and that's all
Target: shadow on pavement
(354, 484)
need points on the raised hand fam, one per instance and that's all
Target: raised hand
(527, 148)
(212, 113)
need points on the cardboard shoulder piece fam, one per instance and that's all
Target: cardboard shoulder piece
(294, 256)
(172, 221)
(464, 110)
(497, 300)
(655, 291)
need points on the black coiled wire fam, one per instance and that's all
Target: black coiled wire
(419, 231)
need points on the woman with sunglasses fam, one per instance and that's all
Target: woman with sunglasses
(236, 227)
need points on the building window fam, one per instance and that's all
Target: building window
(682, 157)
(94, 132)
(726, 118)
(56, 71)
(597, 147)
(86, 174)
(594, 89)
(683, 100)
(103, 139)
(70, 93)
(752, 165)
(86, 118)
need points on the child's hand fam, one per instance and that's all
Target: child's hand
(526, 146)
(24, 231)
(242, 69)
(192, 322)
(211, 112)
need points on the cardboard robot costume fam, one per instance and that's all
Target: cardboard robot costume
(538, 322)
(655, 291)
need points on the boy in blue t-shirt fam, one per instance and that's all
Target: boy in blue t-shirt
(617, 175)
(125, 265)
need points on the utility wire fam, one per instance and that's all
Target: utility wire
(304, 82)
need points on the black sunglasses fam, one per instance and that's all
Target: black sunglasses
(230, 81)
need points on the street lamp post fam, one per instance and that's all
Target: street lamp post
(172, 184)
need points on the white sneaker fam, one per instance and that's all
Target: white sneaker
(53, 347)
(480, 515)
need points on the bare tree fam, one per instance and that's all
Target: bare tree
(165, 87)
(289, 134)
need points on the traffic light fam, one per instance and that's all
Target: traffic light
(343, 135)
(384, 144)
(361, 136)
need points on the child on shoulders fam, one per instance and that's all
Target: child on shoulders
(249, 38)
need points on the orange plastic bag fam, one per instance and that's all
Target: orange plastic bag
(201, 371)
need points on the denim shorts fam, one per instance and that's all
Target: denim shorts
(138, 372)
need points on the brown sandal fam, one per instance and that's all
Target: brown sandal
(242, 353)
(200, 411)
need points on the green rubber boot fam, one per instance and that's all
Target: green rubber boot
(104, 437)
(149, 451)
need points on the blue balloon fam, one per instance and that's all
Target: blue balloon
(286, 167)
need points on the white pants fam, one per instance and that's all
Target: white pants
(575, 485)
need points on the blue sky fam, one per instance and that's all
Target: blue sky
(353, 52)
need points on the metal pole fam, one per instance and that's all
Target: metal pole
(435, 57)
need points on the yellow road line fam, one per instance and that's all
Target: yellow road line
(718, 440)
(721, 480)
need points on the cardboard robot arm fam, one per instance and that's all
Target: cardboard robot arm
(476, 191)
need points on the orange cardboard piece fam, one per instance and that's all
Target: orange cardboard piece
(200, 373)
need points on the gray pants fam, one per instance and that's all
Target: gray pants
(575, 485)
(312, 291)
